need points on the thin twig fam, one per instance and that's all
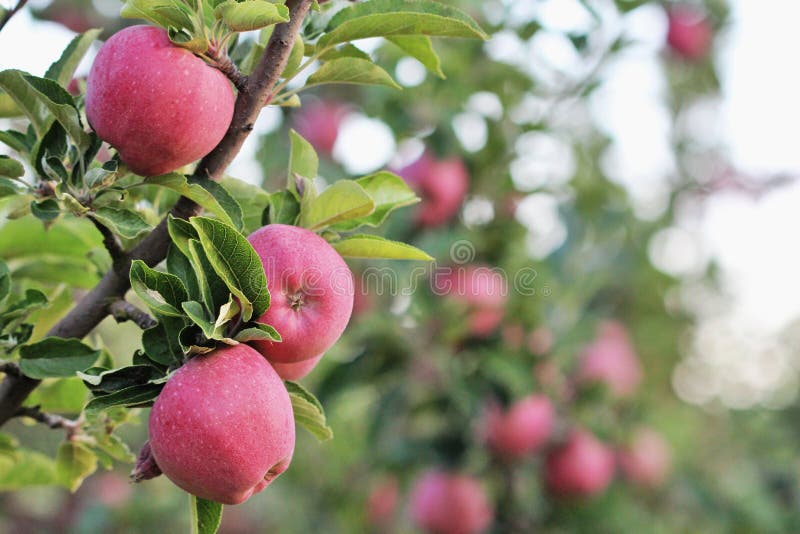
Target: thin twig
(11, 12)
(51, 420)
(110, 241)
(122, 311)
(94, 307)
(221, 61)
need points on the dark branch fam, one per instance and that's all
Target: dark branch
(10, 368)
(51, 420)
(94, 307)
(111, 243)
(11, 12)
(125, 311)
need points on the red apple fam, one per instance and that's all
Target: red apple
(319, 122)
(513, 336)
(580, 467)
(480, 289)
(311, 289)
(689, 34)
(611, 360)
(223, 427)
(159, 105)
(447, 503)
(520, 430)
(297, 370)
(442, 186)
(646, 460)
(382, 502)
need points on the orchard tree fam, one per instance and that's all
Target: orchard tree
(224, 279)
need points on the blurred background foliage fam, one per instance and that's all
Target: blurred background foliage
(406, 388)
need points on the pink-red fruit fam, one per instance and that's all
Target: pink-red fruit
(296, 371)
(610, 359)
(446, 503)
(442, 186)
(159, 105)
(581, 467)
(223, 427)
(689, 34)
(521, 429)
(382, 502)
(646, 460)
(319, 123)
(480, 289)
(311, 289)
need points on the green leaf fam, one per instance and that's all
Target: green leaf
(100, 381)
(420, 48)
(257, 332)
(206, 515)
(8, 446)
(27, 99)
(182, 267)
(252, 199)
(46, 210)
(62, 70)
(100, 177)
(370, 246)
(130, 397)
(213, 289)
(11, 168)
(228, 203)
(27, 469)
(383, 18)
(74, 462)
(346, 50)
(181, 232)
(192, 191)
(7, 187)
(66, 395)
(308, 411)
(122, 221)
(162, 292)
(251, 14)
(283, 208)
(16, 140)
(303, 160)
(236, 263)
(60, 103)
(5, 281)
(342, 201)
(351, 70)
(388, 191)
(162, 342)
(295, 57)
(197, 313)
(56, 357)
(148, 10)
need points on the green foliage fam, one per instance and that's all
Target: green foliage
(308, 411)
(206, 515)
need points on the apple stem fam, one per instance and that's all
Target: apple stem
(220, 60)
(94, 307)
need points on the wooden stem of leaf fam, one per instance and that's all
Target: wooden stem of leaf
(51, 420)
(94, 307)
(122, 311)
(11, 12)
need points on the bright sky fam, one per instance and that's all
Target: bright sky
(757, 119)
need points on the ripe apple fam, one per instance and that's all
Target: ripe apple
(159, 105)
(521, 429)
(442, 186)
(311, 289)
(319, 123)
(223, 427)
(689, 34)
(610, 359)
(580, 467)
(382, 501)
(646, 460)
(448, 503)
(480, 289)
(297, 370)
